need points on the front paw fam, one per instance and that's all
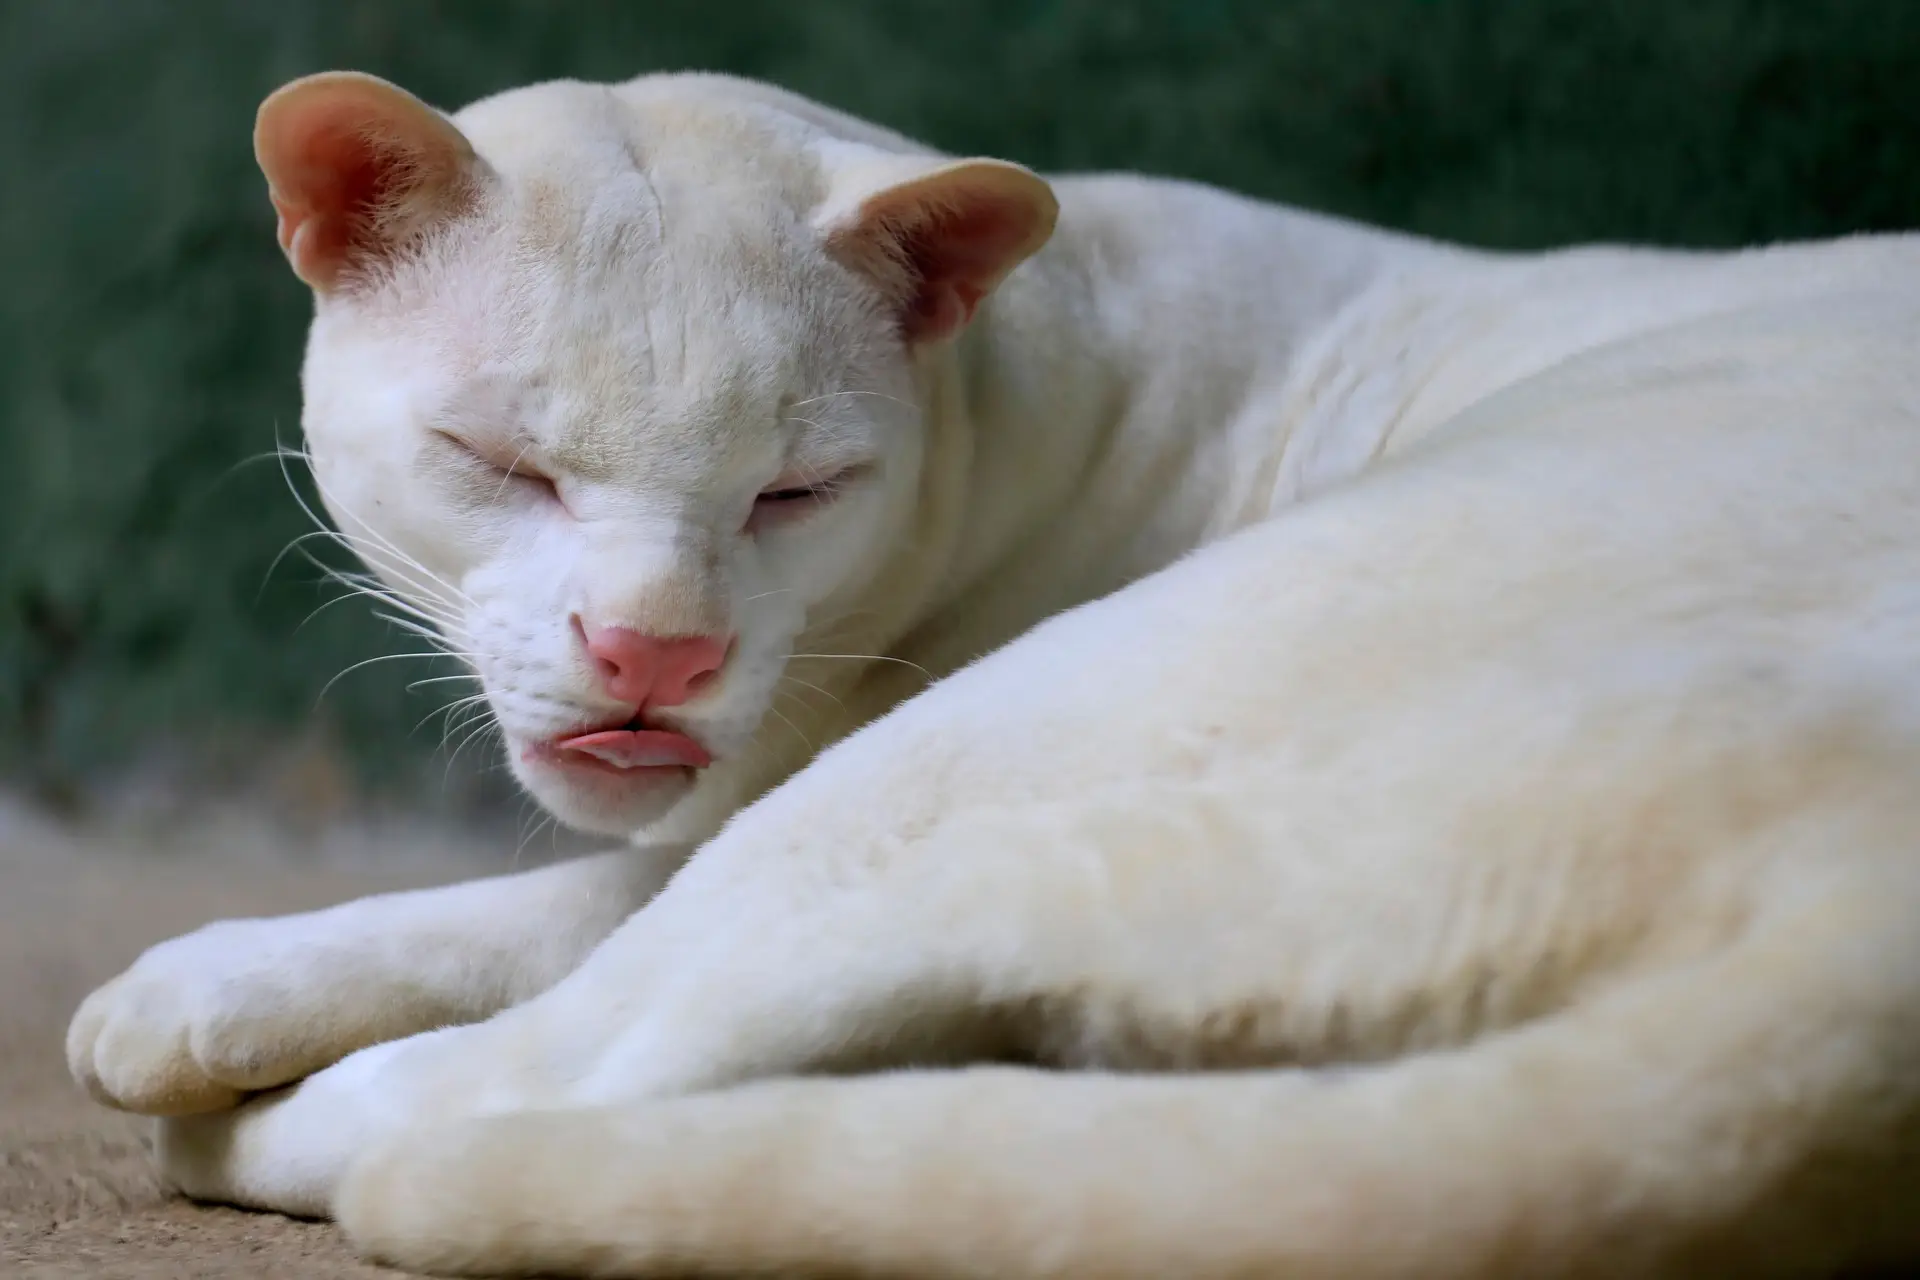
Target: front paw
(199, 1021)
(279, 1151)
(286, 1150)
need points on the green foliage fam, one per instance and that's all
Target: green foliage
(150, 337)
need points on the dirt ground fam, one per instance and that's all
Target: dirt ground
(77, 1196)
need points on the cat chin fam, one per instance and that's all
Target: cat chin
(603, 801)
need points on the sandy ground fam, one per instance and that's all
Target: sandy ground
(77, 1196)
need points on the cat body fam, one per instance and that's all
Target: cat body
(1162, 734)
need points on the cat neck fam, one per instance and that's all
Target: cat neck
(1089, 427)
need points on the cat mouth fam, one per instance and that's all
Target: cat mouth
(632, 748)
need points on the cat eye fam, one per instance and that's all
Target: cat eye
(786, 500)
(507, 464)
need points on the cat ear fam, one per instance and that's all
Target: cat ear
(936, 236)
(357, 168)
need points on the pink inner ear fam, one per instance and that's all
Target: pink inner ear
(335, 193)
(356, 168)
(955, 257)
(945, 254)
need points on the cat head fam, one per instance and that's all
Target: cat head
(620, 388)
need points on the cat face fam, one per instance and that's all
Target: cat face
(619, 391)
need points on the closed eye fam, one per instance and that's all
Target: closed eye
(815, 491)
(790, 499)
(507, 463)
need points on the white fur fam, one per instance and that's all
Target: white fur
(1473, 695)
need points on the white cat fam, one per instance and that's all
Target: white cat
(1476, 698)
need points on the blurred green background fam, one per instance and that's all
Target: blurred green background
(149, 335)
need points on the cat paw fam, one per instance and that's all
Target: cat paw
(198, 1022)
(287, 1150)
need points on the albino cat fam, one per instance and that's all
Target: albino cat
(1475, 698)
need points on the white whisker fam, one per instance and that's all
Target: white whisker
(439, 613)
(358, 589)
(367, 662)
(462, 718)
(806, 741)
(864, 657)
(463, 675)
(486, 726)
(816, 688)
(425, 633)
(842, 395)
(543, 820)
(351, 540)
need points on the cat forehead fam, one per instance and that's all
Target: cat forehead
(606, 293)
(677, 220)
(710, 139)
(630, 314)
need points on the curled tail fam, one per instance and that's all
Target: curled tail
(1752, 1112)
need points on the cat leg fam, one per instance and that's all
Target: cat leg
(244, 1005)
(1753, 1111)
(774, 951)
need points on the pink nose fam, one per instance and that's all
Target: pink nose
(653, 671)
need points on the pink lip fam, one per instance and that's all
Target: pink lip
(638, 749)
